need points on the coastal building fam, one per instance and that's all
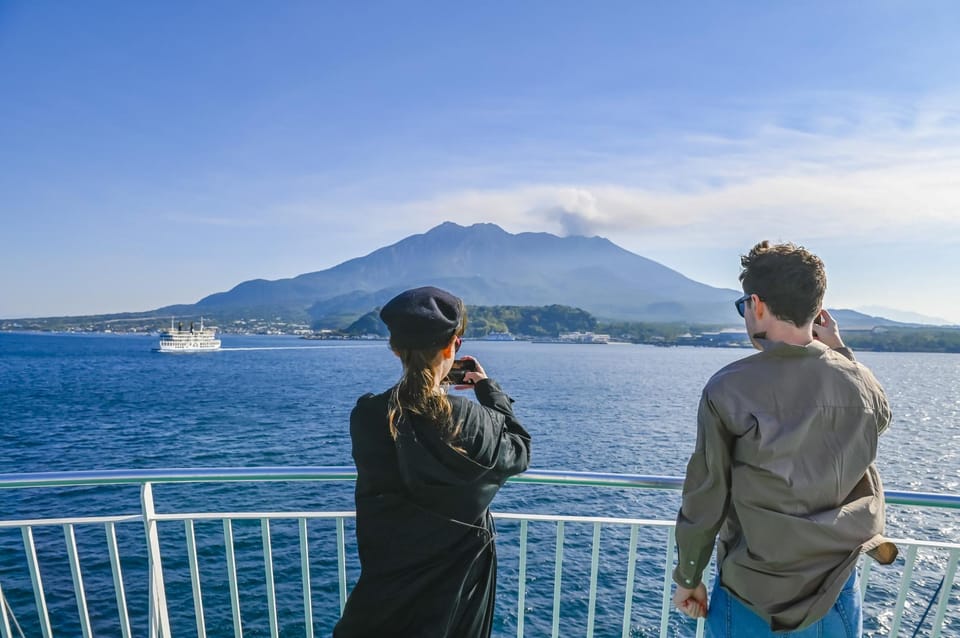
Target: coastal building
(584, 337)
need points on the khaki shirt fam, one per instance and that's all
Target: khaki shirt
(784, 470)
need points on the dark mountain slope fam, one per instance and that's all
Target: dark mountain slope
(487, 265)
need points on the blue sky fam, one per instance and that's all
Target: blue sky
(153, 153)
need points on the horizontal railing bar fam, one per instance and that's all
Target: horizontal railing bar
(927, 544)
(216, 516)
(74, 520)
(512, 516)
(177, 475)
(599, 479)
(552, 518)
(922, 499)
(348, 473)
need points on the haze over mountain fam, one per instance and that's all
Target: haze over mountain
(485, 265)
(904, 316)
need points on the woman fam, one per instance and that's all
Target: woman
(428, 466)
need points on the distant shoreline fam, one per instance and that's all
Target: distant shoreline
(852, 341)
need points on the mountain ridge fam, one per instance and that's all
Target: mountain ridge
(487, 265)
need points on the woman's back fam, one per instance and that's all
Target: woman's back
(428, 466)
(425, 537)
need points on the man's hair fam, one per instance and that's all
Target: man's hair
(788, 278)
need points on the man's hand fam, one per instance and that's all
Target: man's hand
(828, 331)
(692, 602)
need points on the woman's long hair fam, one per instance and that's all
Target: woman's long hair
(416, 394)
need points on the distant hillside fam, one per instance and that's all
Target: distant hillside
(904, 316)
(485, 265)
(851, 319)
(530, 321)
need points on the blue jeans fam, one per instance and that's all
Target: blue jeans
(727, 617)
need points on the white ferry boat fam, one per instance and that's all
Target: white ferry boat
(191, 339)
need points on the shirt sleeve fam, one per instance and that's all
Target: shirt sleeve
(500, 441)
(881, 407)
(706, 495)
(845, 351)
(884, 415)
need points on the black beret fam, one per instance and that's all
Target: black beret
(422, 318)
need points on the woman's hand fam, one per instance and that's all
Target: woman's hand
(473, 376)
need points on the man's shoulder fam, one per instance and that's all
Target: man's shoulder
(765, 369)
(842, 357)
(734, 372)
(855, 372)
(848, 368)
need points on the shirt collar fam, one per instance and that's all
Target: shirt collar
(780, 349)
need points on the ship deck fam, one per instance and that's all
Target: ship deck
(139, 602)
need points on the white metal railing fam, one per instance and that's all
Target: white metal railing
(944, 554)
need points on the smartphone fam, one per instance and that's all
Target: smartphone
(818, 320)
(460, 368)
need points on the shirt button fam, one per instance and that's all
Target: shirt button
(687, 581)
(692, 563)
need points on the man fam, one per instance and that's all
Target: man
(783, 467)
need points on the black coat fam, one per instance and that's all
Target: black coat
(428, 565)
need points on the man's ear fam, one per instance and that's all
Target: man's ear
(759, 307)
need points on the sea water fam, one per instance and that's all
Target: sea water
(88, 402)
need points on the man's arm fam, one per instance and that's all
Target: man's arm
(881, 407)
(828, 332)
(706, 496)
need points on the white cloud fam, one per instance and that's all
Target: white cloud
(883, 174)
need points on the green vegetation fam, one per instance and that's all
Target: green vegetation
(368, 324)
(530, 321)
(527, 321)
(638, 332)
(905, 340)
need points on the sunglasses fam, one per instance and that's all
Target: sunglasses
(741, 303)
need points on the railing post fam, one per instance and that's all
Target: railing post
(557, 578)
(945, 589)
(341, 563)
(522, 593)
(667, 583)
(159, 622)
(305, 574)
(4, 622)
(631, 577)
(31, 549)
